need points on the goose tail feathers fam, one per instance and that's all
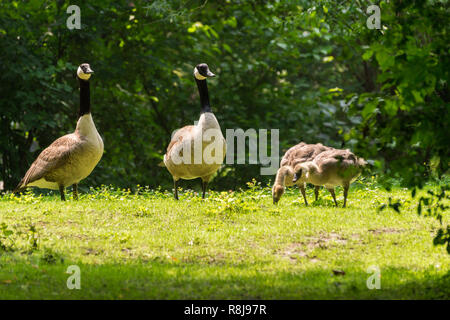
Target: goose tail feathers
(19, 187)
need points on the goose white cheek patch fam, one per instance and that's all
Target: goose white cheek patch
(197, 75)
(82, 75)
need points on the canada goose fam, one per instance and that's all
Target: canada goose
(197, 151)
(72, 157)
(299, 153)
(331, 168)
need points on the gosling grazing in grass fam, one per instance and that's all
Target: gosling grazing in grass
(330, 168)
(197, 151)
(72, 157)
(299, 153)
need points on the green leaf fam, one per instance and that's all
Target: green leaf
(227, 48)
(282, 45)
(368, 109)
(367, 55)
(385, 59)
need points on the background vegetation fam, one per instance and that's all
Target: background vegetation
(309, 68)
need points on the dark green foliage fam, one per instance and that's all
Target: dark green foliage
(6, 242)
(51, 257)
(309, 68)
(434, 205)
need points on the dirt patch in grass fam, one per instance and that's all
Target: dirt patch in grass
(298, 250)
(218, 259)
(385, 230)
(91, 251)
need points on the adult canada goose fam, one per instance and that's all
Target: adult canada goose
(197, 151)
(330, 168)
(72, 157)
(299, 153)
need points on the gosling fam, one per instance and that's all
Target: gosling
(296, 155)
(330, 169)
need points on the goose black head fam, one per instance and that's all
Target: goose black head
(297, 176)
(84, 71)
(277, 192)
(201, 72)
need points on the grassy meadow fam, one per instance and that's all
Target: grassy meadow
(233, 245)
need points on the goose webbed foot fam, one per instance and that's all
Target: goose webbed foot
(175, 186)
(316, 192)
(333, 195)
(61, 191)
(75, 191)
(346, 187)
(204, 186)
(302, 188)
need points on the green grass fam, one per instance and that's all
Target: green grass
(230, 246)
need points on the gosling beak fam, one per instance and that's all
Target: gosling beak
(210, 74)
(296, 177)
(89, 71)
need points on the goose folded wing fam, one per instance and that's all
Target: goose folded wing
(51, 158)
(180, 135)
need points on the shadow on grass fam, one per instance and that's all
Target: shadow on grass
(323, 203)
(32, 277)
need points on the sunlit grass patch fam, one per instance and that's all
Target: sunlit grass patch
(143, 244)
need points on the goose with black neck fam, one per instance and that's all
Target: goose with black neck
(197, 151)
(70, 158)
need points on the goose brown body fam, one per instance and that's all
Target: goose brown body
(70, 158)
(302, 152)
(197, 151)
(187, 138)
(294, 156)
(330, 169)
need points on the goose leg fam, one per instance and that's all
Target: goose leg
(346, 186)
(333, 195)
(175, 186)
(204, 185)
(316, 192)
(61, 191)
(302, 189)
(75, 191)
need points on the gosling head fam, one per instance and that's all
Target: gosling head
(201, 72)
(297, 174)
(277, 192)
(84, 71)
